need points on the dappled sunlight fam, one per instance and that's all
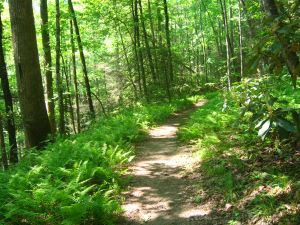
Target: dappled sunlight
(165, 131)
(197, 212)
(161, 191)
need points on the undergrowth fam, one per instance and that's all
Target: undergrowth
(258, 180)
(78, 180)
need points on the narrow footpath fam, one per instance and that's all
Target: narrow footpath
(161, 190)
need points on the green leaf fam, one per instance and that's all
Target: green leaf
(265, 129)
(286, 125)
(259, 125)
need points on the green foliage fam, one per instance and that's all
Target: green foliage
(205, 126)
(236, 167)
(78, 180)
(267, 108)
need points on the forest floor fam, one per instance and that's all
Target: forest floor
(161, 189)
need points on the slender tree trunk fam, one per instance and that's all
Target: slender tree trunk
(48, 64)
(148, 50)
(216, 35)
(10, 122)
(159, 38)
(231, 26)
(153, 39)
(137, 64)
(128, 64)
(168, 38)
(159, 23)
(203, 46)
(2, 146)
(241, 42)
(75, 78)
(83, 61)
(69, 97)
(59, 83)
(290, 55)
(29, 79)
(140, 53)
(129, 69)
(227, 40)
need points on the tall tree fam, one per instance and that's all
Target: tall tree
(153, 37)
(139, 50)
(289, 54)
(75, 81)
(135, 46)
(169, 69)
(9, 109)
(227, 41)
(2, 146)
(59, 83)
(241, 40)
(148, 50)
(29, 79)
(83, 61)
(48, 64)
(168, 38)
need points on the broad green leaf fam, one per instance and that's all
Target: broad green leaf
(265, 129)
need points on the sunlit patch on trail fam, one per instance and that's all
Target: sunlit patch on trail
(166, 131)
(160, 192)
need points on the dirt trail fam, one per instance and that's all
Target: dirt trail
(160, 192)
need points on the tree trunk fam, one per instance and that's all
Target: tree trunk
(227, 40)
(290, 55)
(2, 146)
(153, 39)
(69, 104)
(140, 53)
(216, 35)
(168, 38)
(75, 78)
(59, 83)
(82, 57)
(48, 64)
(203, 46)
(29, 79)
(10, 122)
(148, 50)
(129, 69)
(241, 42)
(135, 50)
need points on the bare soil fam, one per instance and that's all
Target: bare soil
(161, 190)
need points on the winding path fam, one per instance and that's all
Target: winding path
(160, 192)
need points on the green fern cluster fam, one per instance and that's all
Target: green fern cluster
(78, 180)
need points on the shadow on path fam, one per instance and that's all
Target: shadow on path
(160, 193)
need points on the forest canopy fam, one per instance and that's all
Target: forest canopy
(83, 80)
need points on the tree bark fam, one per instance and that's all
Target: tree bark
(153, 39)
(59, 83)
(10, 121)
(241, 41)
(203, 46)
(48, 64)
(135, 50)
(2, 146)
(168, 38)
(75, 78)
(83, 61)
(290, 56)
(227, 40)
(29, 79)
(140, 53)
(148, 50)
(68, 99)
